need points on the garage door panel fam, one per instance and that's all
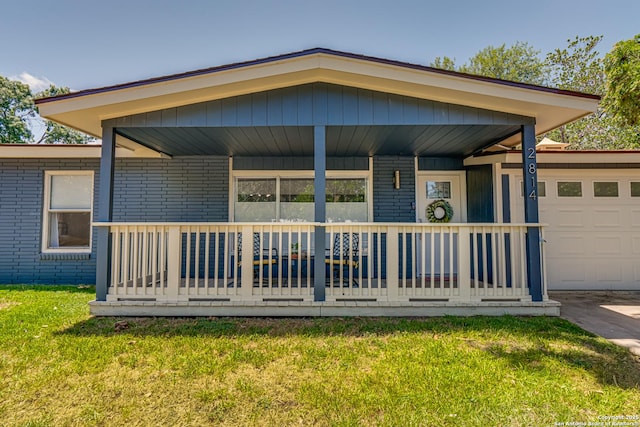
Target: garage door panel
(566, 245)
(569, 217)
(635, 217)
(606, 218)
(635, 246)
(568, 271)
(608, 271)
(608, 245)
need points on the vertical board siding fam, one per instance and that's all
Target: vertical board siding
(299, 163)
(440, 163)
(180, 189)
(480, 194)
(319, 104)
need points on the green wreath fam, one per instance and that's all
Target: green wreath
(439, 211)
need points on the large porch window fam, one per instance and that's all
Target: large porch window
(284, 198)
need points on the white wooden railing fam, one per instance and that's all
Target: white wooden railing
(392, 262)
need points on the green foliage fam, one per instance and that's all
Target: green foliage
(18, 110)
(444, 63)
(622, 68)
(518, 63)
(579, 67)
(56, 133)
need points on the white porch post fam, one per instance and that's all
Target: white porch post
(174, 248)
(105, 212)
(392, 263)
(464, 264)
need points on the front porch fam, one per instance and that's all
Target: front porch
(338, 145)
(373, 269)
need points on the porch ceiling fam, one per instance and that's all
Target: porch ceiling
(457, 140)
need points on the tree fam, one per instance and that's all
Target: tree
(579, 67)
(16, 108)
(518, 63)
(622, 68)
(444, 63)
(18, 112)
(56, 133)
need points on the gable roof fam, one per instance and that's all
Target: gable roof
(85, 110)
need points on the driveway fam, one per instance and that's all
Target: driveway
(610, 314)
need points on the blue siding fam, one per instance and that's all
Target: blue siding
(180, 189)
(440, 163)
(389, 204)
(480, 194)
(298, 163)
(318, 104)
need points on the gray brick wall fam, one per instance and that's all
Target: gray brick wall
(389, 204)
(180, 189)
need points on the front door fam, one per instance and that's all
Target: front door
(431, 255)
(432, 187)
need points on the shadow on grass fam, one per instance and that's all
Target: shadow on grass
(524, 342)
(84, 289)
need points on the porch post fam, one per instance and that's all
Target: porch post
(530, 180)
(105, 212)
(319, 183)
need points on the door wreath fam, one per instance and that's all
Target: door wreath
(439, 211)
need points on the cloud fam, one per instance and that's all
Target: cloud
(36, 84)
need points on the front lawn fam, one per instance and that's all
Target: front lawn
(59, 366)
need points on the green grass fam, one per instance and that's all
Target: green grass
(59, 366)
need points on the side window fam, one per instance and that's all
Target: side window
(569, 189)
(605, 189)
(68, 200)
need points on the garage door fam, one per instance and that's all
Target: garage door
(593, 232)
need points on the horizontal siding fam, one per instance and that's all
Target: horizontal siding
(179, 189)
(389, 204)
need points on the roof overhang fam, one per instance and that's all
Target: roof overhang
(125, 148)
(85, 110)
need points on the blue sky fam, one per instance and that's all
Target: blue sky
(85, 43)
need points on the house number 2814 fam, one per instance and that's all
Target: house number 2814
(531, 168)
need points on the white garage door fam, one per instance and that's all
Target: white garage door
(593, 232)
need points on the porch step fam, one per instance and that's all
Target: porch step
(344, 308)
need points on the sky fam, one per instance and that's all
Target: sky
(84, 44)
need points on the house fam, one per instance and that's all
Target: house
(319, 183)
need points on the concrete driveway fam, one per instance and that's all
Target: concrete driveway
(614, 315)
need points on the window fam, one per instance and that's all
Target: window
(67, 211)
(292, 199)
(635, 189)
(347, 199)
(569, 189)
(542, 188)
(256, 200)
(296, 199)
(438, 190)
(605, 189)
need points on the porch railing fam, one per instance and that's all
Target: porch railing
(392, 262)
